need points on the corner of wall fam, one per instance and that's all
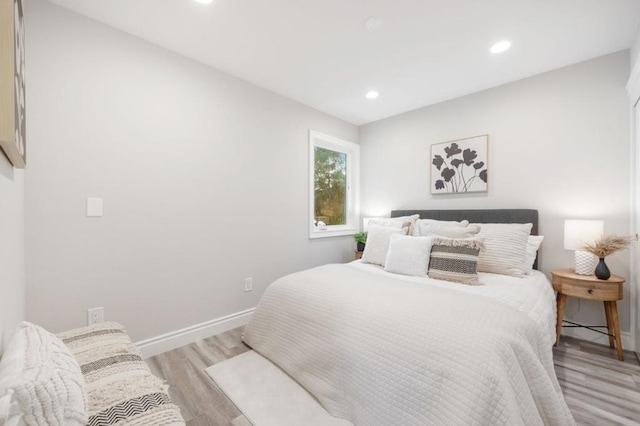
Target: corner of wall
(12, 284)
(633, 85)
(635, 50)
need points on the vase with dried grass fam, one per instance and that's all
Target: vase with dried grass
(602, 248)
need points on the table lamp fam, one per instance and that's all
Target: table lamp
(577, 233)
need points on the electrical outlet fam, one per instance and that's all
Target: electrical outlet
(95, 316)
(248, 284)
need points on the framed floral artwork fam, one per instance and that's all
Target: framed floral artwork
(460, 166)
(12, 82)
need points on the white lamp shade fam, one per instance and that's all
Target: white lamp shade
(577, 233)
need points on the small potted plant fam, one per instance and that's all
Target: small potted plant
(361, 239)
(604, 247)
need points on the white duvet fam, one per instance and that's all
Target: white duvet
(383, 349)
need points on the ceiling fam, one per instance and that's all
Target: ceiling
(320, 53)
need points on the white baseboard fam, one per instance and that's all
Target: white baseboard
(175, 339)
(590, 336)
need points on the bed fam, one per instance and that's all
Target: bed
(384, 349)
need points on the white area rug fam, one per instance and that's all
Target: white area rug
(266, 395)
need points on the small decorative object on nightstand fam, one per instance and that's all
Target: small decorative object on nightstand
(568, 283)
(577, 233)
(602, 248)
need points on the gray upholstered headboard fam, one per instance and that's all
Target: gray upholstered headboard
(479, 216)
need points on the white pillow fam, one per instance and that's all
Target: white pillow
(450, 223)
(505, 248)
(40, 380)
(428, 229)
(408, 255)
(389, 223)
(397, 222)
(533, 244)
(375, 251)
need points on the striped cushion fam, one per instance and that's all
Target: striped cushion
(505, 248)
(455, 260)
(121, 389)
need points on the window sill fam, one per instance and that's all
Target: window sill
(317, 233)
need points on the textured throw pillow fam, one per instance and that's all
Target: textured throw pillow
(448, 223)
(378, 243)
(533, 244)
(121, 389)
(408, 255)
(40, 380)
(455, 260)
(428, 230)
(505, 248)
(397, 222)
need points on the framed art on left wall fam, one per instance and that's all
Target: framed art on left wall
(12, 82)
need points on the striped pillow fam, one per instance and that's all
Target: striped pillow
(455, 260)
(120, 385)
(505, 248)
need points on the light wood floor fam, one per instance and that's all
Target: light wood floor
(599, 389)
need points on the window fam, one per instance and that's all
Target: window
(333, 189)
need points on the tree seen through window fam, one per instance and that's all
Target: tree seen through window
(330, 182)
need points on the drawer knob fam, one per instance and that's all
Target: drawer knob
(590, 291)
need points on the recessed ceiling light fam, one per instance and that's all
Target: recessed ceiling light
(372, 94)
(204, 1)
(501, 46)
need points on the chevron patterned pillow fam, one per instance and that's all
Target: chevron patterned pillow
(455, 260)
(122, 390)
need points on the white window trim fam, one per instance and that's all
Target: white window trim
(353, 184)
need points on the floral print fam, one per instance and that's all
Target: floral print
(459, 169)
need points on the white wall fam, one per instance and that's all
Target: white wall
(12, 285)
(559, 143)
(203, 176)
(635, 50)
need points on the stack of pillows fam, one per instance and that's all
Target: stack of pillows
(450, 250)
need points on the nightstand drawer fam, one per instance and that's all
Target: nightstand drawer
(589, 290)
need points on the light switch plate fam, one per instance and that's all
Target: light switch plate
(94, 207)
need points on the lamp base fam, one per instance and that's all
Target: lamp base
(585, 262)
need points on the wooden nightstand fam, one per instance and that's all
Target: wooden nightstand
(359, 255)
(568, 283)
